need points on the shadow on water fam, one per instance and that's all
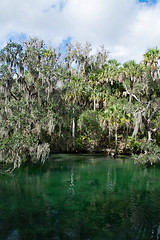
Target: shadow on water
(81, 197)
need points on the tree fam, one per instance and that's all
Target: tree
(116, 115)
(110, 74)
(89, 129)
(28, 76)
(132, 72)
(47, 97)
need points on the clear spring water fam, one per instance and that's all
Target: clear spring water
(81, 197)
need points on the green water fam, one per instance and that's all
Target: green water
(81, 197)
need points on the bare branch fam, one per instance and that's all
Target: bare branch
(155, 129)
(133, 95)
(149, 103)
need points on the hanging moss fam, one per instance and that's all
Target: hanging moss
(46, 100)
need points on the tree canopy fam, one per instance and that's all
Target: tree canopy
(76, 101)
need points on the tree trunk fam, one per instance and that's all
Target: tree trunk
(73, 129)
(116, 138)
(149, 131)
(126, 138)
(149, 126)
(151, 115)
(131, 91)
(109, 137)
(94, 107)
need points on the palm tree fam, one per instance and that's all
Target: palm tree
(133, 73)
(151, 77)
(109, 73)
(93, 87)
(151, 58)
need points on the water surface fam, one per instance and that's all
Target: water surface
(81, 197)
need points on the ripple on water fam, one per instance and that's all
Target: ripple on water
(97, 199)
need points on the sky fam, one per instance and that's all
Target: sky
(127, 28)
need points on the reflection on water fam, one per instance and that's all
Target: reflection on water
(81, 197)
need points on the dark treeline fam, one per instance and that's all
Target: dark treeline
(76, 102)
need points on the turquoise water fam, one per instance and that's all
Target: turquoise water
(81, 197)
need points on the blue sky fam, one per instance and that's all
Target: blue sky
(127, 28)
(151, 2)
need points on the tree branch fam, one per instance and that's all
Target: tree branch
(133, 95)
(153, 113)
(149, 103)
(13, 95)
(155, 129)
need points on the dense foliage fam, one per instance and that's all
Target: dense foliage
(76, 101)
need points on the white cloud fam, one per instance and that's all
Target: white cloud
(126, 28)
